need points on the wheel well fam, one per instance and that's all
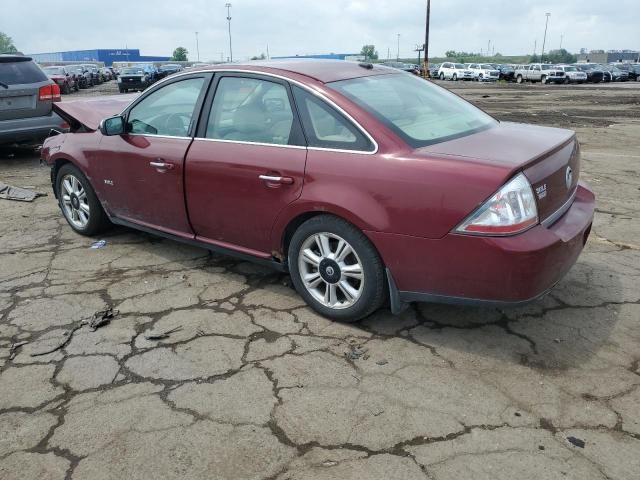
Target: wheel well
(291, 229)
(54, 172)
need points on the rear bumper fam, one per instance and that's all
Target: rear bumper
(487, 270)
(29, 129)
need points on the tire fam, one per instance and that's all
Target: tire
(121, 89)
(76, 87)
(441, 76)
(74, 191)
(455, 77)
(353, 298)
(519, 79)
(567, 81)
(66, 90)
(543, 80)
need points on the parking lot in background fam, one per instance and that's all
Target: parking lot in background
(249, 383)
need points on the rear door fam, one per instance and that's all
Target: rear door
(141, 171)
(246, 164)
(20, 82)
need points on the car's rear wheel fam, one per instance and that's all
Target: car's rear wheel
(78, 201)
(544, 80)
(519, 79)
(441, 76)
(336, 269)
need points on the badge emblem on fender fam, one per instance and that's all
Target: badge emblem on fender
(108, 182)
(568, 177)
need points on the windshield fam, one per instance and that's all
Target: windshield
(487, 67)
(570, 69)
(547, 67)
(460, 66)
(54, 70)
(418, 111)
(132, 71)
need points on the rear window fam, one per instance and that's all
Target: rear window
(16, 73)
(418, 111)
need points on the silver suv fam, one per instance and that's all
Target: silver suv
(26, 96)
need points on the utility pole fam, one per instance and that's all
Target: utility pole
(388, 53)
(488, 47)
(398, 52)
(268, 56)
(228, 5)
(419, 49)
(561, 38)
(544, 41)
(426, 40)
(535, 47)
(197, 47)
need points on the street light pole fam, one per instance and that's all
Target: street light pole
(197, 47)
(398, 51)
(426, 41)
(228, 5)
(544, 41)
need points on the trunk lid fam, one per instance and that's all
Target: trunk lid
(89, 113)
(549, 158)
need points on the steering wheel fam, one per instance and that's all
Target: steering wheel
(177, 124)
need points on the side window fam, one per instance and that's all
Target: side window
(251, 110)
(167, 111)
(325, 127)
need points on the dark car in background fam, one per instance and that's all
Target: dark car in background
(434, 68)
(133, 78)
(82, 76)
(618, 74)
(64, 77)
(507, 72)
(169, 69)
(96, 78)
(26, 98)
(594, 73)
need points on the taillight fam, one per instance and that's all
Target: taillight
(511, 210)
(49, 92)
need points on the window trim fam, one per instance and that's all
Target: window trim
(157, 86)
(297, 139)
(305, 118)
(215, 72)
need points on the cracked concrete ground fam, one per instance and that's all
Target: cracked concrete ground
(256, 386)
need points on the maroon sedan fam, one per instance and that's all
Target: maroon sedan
(367, 184)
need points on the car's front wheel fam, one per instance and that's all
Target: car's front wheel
(441, 76)
(78, 201)
(336, 269)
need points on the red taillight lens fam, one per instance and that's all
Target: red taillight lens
(49, 92)
(510, 211)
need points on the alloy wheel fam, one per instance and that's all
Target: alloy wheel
(331, 270)
(75, 203)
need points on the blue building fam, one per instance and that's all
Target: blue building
(108, 56)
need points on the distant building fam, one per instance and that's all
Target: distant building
(327, 56)
(612, 56)
(107, 56)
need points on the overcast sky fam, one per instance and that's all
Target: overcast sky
(292, 27)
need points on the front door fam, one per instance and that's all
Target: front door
(246, 163)
(142, 173)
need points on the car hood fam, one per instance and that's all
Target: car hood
(89, 113)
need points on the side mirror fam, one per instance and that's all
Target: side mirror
(112, 126)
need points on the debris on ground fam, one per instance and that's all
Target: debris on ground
(13, 350)
(101, 318)
(160, 336)
(356, 352)
(8, 192)
(98, 244)
(576, 442)
(384, 361)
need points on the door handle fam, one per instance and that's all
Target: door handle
(161, 165)
(276, 179)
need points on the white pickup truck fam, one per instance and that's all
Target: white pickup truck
(539, 72)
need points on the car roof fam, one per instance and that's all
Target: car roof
(322, 70)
